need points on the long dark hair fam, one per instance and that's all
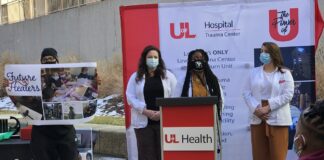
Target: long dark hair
(211, 79)
(275, 54)
(142, 67)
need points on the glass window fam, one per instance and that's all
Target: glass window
(4, 14)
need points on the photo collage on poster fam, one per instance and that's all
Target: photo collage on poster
(69, 93)
(300, 60)
(48, 94)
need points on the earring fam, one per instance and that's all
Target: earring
(299, 144)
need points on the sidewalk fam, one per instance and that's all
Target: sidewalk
(105, 157)
(110, 141)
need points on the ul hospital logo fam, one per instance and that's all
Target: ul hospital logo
(171, 138)
(183, 33)
(283, 19)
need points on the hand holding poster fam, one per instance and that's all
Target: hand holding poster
(55, 93)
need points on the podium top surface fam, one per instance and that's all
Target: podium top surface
(186, 101)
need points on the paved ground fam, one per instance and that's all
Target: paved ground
(106, 157)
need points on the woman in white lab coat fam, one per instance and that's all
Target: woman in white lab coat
(267, 93)
(150, 81)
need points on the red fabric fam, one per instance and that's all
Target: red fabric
(188, 117)
(319, 24)
(189, 155)
(139, 27)
(25, 133)
(319, 155)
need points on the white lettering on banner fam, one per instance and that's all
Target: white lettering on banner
(188, 138)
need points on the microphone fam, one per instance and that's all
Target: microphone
(26, 114)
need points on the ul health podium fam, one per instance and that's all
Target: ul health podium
(188, 128)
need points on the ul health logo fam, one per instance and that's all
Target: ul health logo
(184, 31)
(171, 138)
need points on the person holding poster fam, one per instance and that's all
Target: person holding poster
(151, 80)
(267, 93)
(201, 81)
(53, 142)
(308, 141)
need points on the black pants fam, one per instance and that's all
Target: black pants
(54, 143)
(148, 142)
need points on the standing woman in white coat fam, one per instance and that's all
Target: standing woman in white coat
(151, 80)
(267, 93)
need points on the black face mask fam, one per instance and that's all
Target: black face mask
(49, 59)
(198, 65)
(48, 62)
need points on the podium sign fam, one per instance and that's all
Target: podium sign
(188, 128)
(188, 139)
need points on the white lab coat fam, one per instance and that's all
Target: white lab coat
(281, 94)
(135, 97)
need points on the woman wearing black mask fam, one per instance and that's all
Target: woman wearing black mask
(201, 81)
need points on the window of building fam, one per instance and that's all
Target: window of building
(4, 14)
(18, 10)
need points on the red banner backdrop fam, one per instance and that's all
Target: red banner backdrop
(139, 28)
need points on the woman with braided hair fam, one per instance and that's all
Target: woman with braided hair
(309, 137)
(201, 81)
